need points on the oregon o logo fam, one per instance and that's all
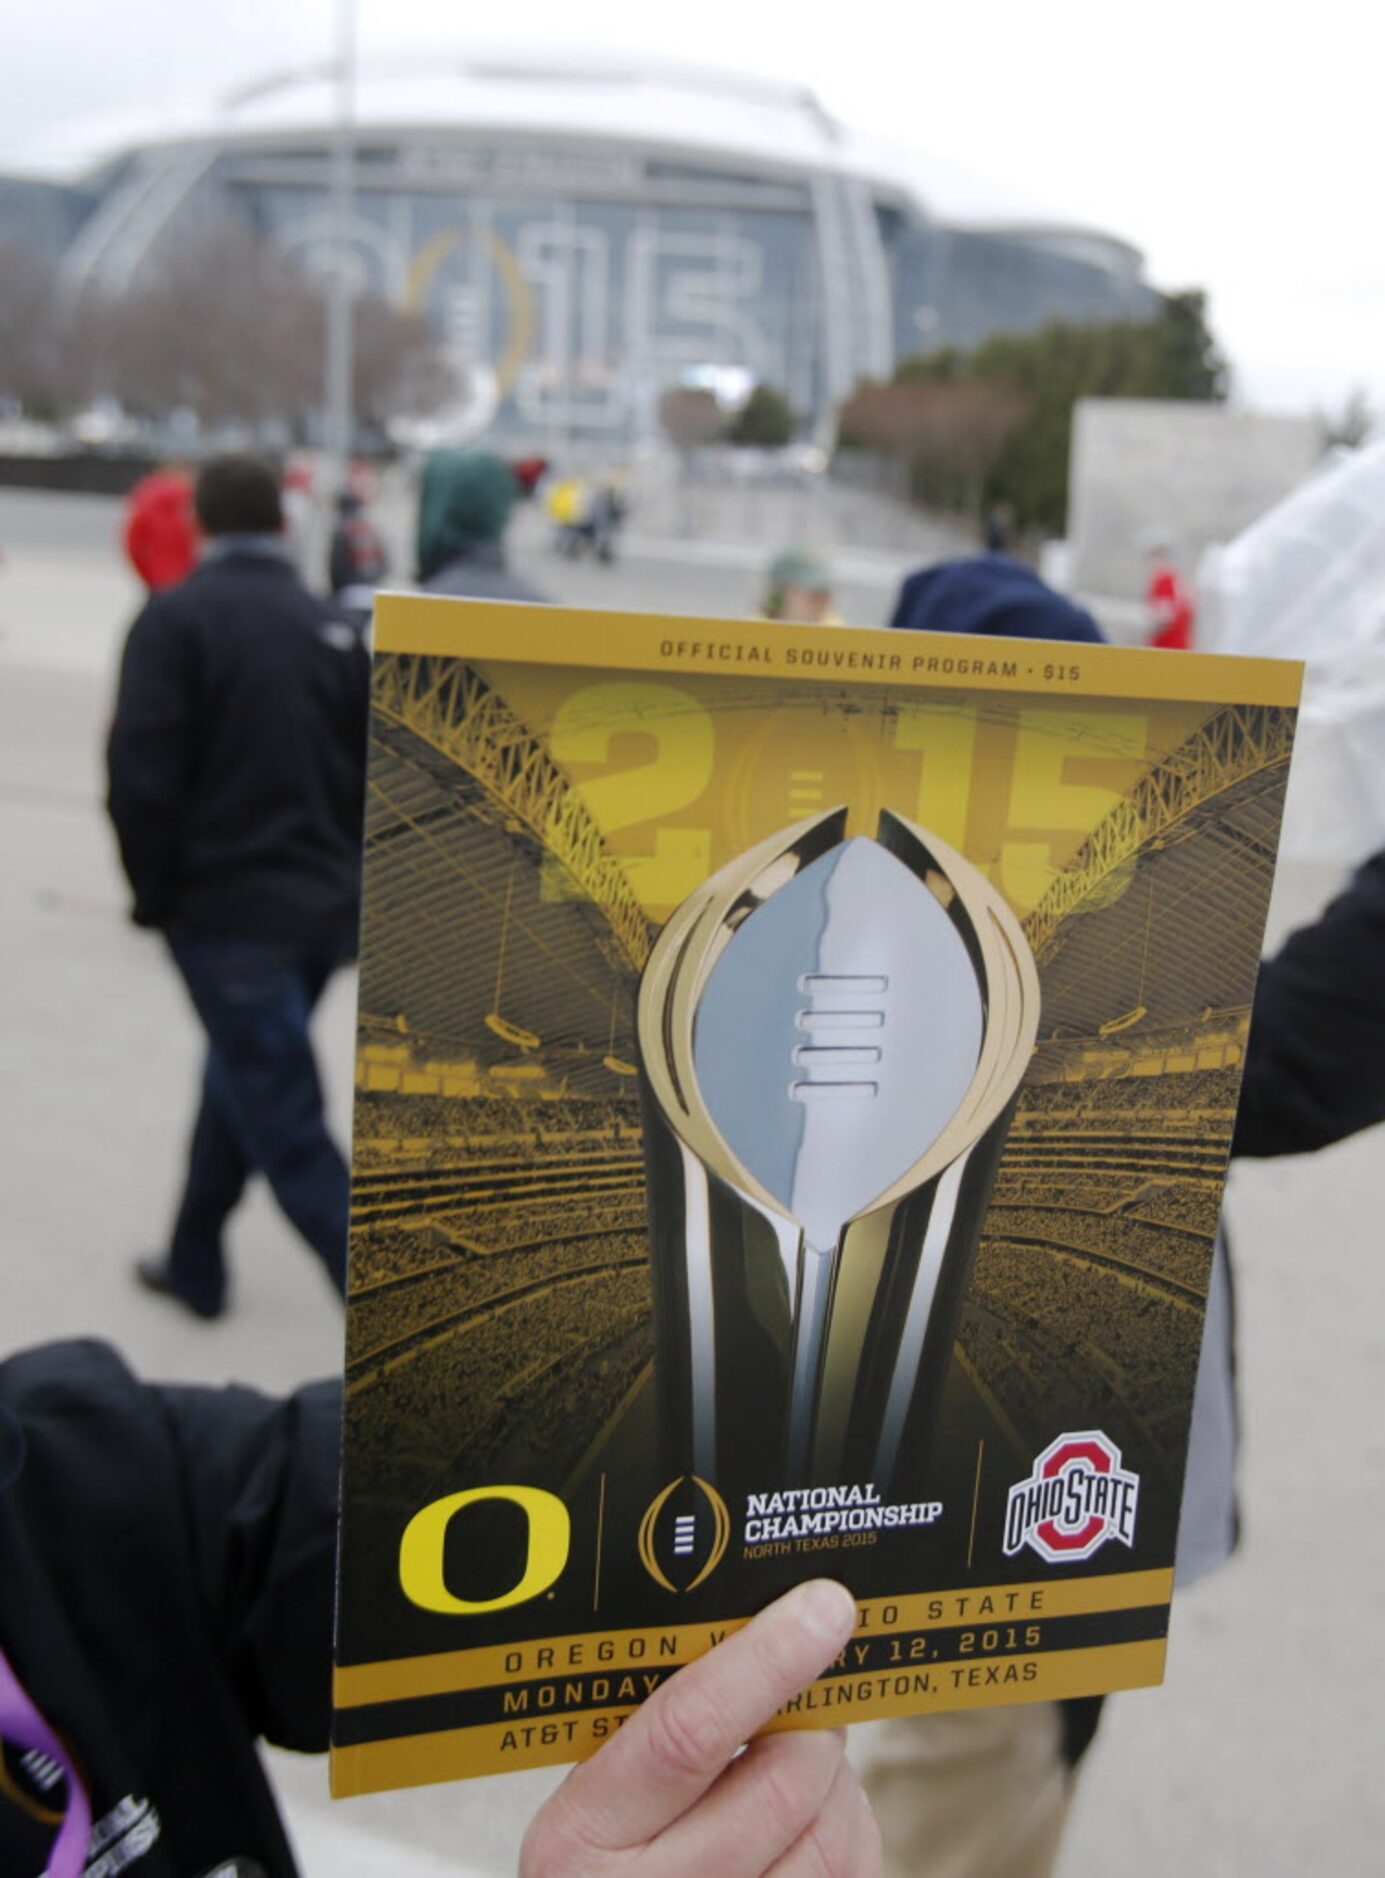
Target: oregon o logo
(1077, 1497)
(684, 1533)
(423, 1548)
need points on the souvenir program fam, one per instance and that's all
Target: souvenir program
(795, 1075)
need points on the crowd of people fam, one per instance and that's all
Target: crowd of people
(1178, 1097)
(382, 1253)
(389, 1123)
(587, 515)
(588, 511)
(419, 1289)
(996, 1350)
(397, 1137)
(389, 1253)
(1191, 1206)
(1124, 1237)
(1086, 1190)
(1139, 1343)
(586, 1334)
(1117, 1207)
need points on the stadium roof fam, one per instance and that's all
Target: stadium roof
(1166, 940)
(601, 98)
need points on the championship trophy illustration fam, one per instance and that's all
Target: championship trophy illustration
(832, 1032)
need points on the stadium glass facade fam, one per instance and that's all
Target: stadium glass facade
(583, 290)
(577, 277)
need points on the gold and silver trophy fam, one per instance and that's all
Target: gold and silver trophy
(832, 1033)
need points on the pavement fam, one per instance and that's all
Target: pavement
(1258, 1756)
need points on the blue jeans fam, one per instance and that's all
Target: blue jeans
(261, 1109)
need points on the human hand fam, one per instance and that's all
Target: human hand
(670, 1795)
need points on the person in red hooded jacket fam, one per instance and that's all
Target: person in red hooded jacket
(1170, 603)
(160, 532)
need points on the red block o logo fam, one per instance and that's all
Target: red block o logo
(1098, 1454)
(1077, 1497)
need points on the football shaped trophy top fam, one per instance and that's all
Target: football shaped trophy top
(831, 1028)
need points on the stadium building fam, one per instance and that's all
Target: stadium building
(583, 234)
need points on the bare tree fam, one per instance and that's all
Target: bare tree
(32, 331)
(691, 417)
(227, 326)
(972, 420)
(944, 433)
(400, 370)
(222, 324)
(1352, 422)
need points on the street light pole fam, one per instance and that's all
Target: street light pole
(337, 399)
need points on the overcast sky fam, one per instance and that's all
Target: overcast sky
(1235, 144)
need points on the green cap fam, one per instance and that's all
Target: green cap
(802, 567)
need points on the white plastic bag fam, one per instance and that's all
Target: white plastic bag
(1307, 581)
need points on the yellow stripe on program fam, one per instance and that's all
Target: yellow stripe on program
(400, 1678)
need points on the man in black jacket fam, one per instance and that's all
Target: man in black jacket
(1315, 1066)
(236, 764)
(167, 1596)
(166, 1565)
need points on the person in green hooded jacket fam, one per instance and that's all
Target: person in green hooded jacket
(464, 504)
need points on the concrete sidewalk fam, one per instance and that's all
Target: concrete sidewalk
(1258, 1757)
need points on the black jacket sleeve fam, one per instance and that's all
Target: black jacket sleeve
(1315, 1066)
(151, 754)
(340, 565)
(260, 1481)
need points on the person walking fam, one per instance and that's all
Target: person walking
(236, 765)
(990, 594)
(357, 560)
(1172, 614)
(464, 505)
(160, 534)
(984, 1792)
(800, 589)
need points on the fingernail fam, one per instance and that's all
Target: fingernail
(826, 1608)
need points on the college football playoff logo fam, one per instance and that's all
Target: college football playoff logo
(1077, 1498)
(684, 1533)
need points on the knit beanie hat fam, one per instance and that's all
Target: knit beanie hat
(990, 593)
(795, 567)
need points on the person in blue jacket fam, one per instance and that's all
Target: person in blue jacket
(993, 594)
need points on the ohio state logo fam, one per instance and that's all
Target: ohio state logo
(1077, 1498)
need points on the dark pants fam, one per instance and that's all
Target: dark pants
(261, 1109)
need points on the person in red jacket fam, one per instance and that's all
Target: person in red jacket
(1169, 600)
(160, 533)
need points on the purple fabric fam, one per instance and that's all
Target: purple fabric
(21, 1723)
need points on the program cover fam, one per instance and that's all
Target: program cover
(795, 1076)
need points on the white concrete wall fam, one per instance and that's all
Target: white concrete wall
(1201, 471)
